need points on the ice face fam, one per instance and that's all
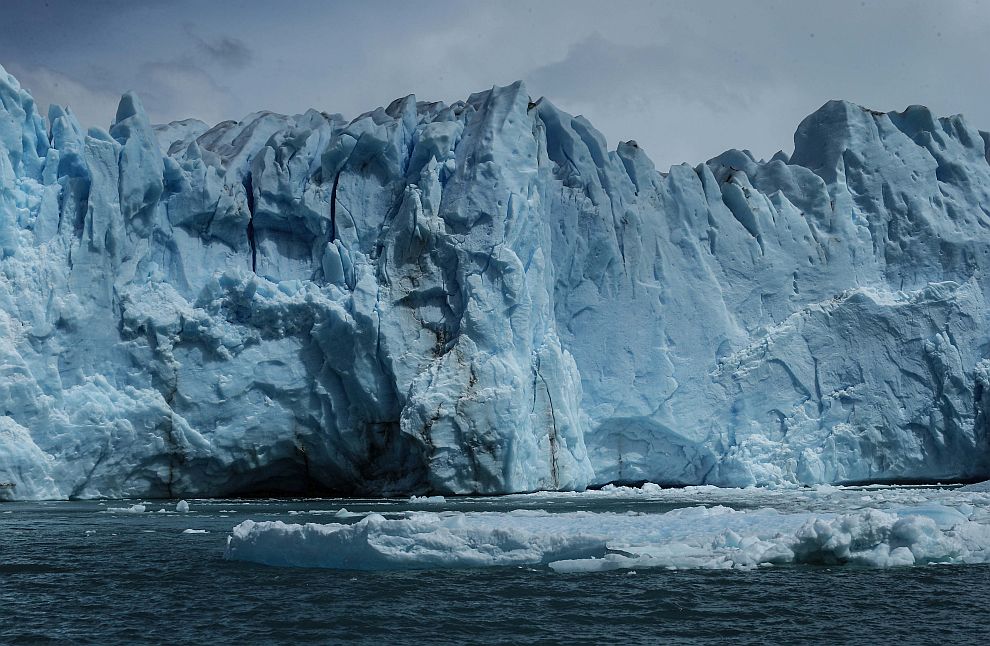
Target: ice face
(482, 298)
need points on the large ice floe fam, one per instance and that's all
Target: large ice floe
(909, 528)
(483, 298)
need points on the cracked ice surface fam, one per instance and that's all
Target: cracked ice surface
(482, 298)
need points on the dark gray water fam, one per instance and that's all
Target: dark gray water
(73, 573)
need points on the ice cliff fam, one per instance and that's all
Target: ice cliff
(481, 297)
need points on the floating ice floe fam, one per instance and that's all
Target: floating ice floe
(427, 500)
(340, 513)
(693, 537)
(133, 509)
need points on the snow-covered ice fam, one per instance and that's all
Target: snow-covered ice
(881, 528)
(482, 297)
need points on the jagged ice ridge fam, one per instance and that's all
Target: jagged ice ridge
(481, 297)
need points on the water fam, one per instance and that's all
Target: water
(71, 572)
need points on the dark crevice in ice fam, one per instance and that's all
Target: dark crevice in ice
(333, 208)
(249, 191)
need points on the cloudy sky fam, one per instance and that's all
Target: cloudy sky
(685, 79)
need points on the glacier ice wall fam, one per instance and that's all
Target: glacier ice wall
(481, 297)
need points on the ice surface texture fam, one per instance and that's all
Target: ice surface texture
(480, 297)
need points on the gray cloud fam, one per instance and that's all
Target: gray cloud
(686, 80)
(227, 51)
(597, 69)
(92, 106)
(165, 86)
(621, 86)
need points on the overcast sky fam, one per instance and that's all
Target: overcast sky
(687, 80)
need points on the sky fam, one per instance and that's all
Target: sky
(686, 80)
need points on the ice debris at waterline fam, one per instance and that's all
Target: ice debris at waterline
(694, 537)
(481, 297)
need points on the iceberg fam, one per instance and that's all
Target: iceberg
(481, 297)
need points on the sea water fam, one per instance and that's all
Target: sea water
(105, 572)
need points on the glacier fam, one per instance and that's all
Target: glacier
(481, 297)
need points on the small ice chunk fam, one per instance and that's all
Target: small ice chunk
(133, 509)
(427, 500)
(182, 507)
(195, 531)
